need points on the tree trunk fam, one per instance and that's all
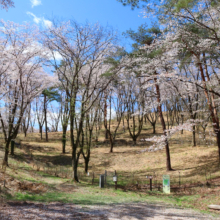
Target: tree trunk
(204, 134)
(168, 161)
(105, 118)
(45, 116)
(5, 160)
(87, 159)
(75, 160)
(218, 142)
(12, 147)
(145, 119)
(212, 109)
(135, 141)
(194, 136)
(74, 165)
(86, 165)
(64, 139)
(111, 144)
(41, 130)
(154, 128)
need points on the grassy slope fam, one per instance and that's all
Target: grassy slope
(192, 163)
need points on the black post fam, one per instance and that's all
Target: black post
(101, 181)
(179, 179)
(150, 184)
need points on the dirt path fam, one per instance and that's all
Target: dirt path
(131, 211)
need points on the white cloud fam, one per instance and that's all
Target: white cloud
(57, 56)
(47, 23)
(35, 3)
(113, 113)
(42, 20)
(36, 19)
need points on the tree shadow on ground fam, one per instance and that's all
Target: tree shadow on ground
(41, 149)
(96, 210)
(57, 160)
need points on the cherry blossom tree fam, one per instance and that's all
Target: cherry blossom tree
(24, 79)
(40, 114)
(135, 104)
(5, 4)
(64, 116)
(83, 50)
(116, 103)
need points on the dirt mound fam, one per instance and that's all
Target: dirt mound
(31, 187)
(12, 185)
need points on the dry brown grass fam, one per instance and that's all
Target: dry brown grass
(194, 163)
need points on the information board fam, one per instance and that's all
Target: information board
(166, 184)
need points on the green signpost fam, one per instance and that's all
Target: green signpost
(166, 184)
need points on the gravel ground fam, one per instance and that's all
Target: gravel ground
(131, 211)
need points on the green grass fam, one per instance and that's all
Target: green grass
(89, 196)
(92, 195)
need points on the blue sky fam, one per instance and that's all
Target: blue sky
(105, 12)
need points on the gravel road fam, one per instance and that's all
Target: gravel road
(128, 211)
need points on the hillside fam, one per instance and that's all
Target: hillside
(39, 167)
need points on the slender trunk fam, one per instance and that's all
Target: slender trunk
(86, 165)
(105, 118)
(182, 117)
(86, 160)
(204, 134)
(218, 142)
(123, 124)
(64, 139)
(111, 148)
(12, 147)
(96, 133)
(41, 131)
(154, 128)
(111, 143)
(75, 159)
(5, 160)
(212, 110)
(45, 116)
(194, 136)
(135, 140)
(168, 161)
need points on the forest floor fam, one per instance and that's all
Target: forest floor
(24, 188)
